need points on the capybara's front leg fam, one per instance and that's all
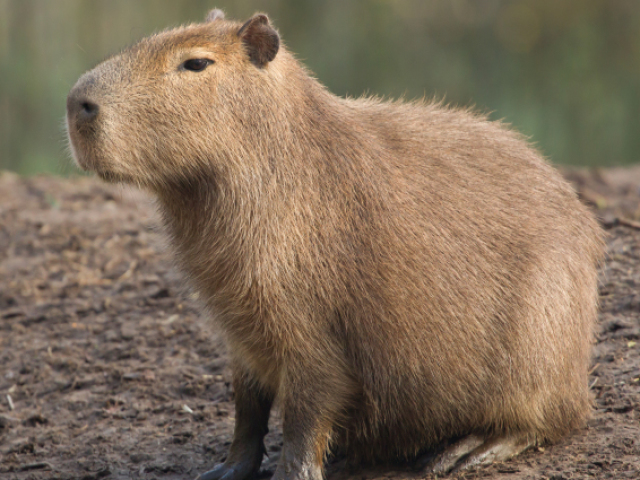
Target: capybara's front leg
(253, 405)
(313, 402)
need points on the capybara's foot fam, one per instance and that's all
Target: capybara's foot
(292, 468)
(239, 470)
(473, 450)
(226, 472)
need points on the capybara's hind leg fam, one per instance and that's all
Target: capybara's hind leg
(474, 450)
(496, 450)
(447, 459)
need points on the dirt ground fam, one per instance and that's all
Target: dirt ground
(107, 369)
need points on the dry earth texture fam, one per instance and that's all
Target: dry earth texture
(107, 369)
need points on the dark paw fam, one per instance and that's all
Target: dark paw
(240, 471)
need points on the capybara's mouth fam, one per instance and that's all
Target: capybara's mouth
(85, 148)
(78, 150)
(88, 154)
(87, 161)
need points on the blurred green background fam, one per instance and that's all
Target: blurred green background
(564, 72)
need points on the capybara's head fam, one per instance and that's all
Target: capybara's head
(176, 103)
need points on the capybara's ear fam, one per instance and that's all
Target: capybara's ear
(260, 38)
(215, 14)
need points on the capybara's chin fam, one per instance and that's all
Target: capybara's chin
(85, 160)
(394, 276)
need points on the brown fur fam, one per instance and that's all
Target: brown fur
(392, 274)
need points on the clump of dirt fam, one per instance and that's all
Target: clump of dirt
(109, 370)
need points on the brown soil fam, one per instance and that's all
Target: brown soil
(107, 369)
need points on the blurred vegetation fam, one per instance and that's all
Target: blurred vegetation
(566, 73)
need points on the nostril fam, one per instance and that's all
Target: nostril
(88, 110)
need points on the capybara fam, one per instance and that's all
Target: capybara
(397, 277)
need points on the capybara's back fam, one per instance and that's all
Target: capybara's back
(397, 277)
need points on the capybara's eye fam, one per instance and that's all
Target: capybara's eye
(196, 64)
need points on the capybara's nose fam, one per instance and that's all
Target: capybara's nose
(81, 109)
